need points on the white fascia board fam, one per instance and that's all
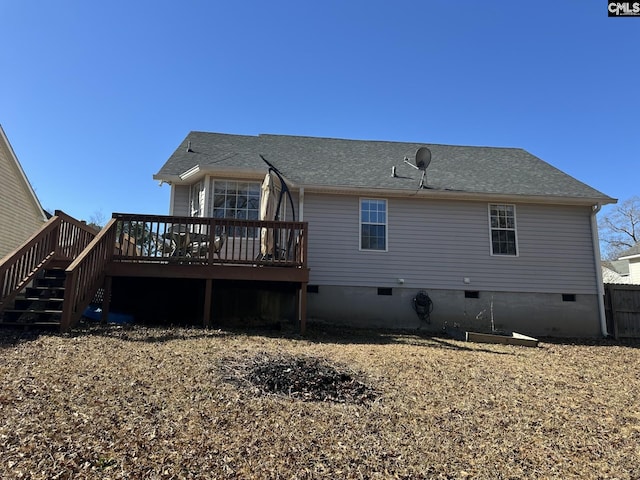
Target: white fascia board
(170, 179)
(191, 174)
(194, 174)
(457, 195)
(630, 257)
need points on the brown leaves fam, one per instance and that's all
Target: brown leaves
(119, 403)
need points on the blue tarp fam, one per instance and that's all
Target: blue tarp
(94, 312)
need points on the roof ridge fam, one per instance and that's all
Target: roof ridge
(356, 140)
(402, 142)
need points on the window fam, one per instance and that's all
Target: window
(373, 224)
(235, 200)
(196, 199)
(231, 199)
(503, 229)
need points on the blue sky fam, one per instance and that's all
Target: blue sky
(95, 96)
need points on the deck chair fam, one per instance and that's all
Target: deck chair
(201, 249)
(181, 243)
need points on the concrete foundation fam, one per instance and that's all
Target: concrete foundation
(536, 314)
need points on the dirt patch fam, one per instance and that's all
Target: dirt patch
(304, 378)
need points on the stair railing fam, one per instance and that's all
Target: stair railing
(59, 240)
(86, 275)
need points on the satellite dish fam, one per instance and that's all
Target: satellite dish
(423, 158)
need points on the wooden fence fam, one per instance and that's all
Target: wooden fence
(622, 304)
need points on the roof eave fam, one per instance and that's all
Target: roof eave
(460, 195)
(197, 172)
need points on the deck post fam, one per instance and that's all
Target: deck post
(69, 301)
(208, 287)
(54, 239)
(106, 300)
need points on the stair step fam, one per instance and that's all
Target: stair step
(41, 299)
(46, 288)
(55, 272)
(30, 324)
(40, 304)
(49, 282)
(34, 310)
(15, 313)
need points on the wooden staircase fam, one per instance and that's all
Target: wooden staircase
(39, 304)
(37, 279)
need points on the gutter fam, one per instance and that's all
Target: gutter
(444, 194)
(598, 260)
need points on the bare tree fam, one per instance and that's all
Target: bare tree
(620, 228)
(97, 220)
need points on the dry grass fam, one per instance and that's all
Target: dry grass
(158, 403)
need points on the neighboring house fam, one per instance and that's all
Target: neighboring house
(616, 271)
(20, 211)
(492, 235)
(633, 257)
(625, 269)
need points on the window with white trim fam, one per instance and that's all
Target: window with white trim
(233, 199)
(502, 221)
(196, 199)
(373, 224)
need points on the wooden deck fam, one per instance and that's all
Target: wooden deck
(162, 242)
(159, 246)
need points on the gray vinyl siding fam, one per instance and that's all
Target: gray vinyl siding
(181, 200)
(436, 244)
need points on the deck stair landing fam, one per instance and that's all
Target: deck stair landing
(39, 304)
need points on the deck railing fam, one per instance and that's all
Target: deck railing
(60, 239)
(161, 239)
(209, 241)
(86, 274)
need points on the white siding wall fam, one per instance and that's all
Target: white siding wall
(634, 271)
(436, 244)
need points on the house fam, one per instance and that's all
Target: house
(633, 257)
(412, 235)
(616, 272)
(627, 266)
(20, 211)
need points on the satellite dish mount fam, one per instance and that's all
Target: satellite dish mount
(423, 159)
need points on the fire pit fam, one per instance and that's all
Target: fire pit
(309, 379)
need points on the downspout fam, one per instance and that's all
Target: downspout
(301, 204)
(596, 255)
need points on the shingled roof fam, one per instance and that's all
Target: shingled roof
(364, 164)
(632, 252)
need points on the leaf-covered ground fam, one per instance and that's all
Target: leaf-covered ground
(110, 403)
